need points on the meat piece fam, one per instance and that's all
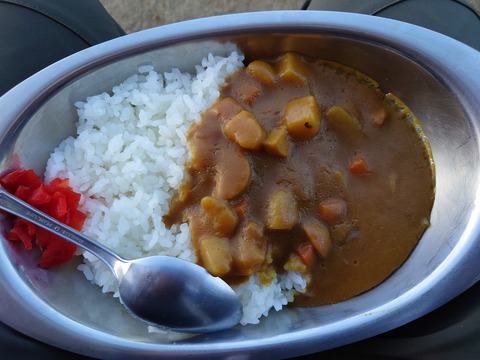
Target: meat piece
(246, 90)
(233, 172)
(200, 142)
(226, 108)
(249, 249)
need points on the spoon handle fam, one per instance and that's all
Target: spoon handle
(14, 205)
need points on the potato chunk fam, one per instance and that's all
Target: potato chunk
(249, 249)
(343, 123)
(282, 210)
(262, 71)
(292, 69)
(302, 117)
(219, 216)
(245, 130)
(276, 143)
(319, 237)
(296, 262)
(215, 254)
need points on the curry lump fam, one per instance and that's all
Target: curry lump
(306, 165)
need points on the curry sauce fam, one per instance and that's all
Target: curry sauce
(306, 165)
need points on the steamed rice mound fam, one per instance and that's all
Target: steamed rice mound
(127, 160)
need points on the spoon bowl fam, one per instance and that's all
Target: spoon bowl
(184, 305)
(162, 291)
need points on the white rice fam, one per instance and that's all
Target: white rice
(127, 160)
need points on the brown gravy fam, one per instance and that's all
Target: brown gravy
(375, 168)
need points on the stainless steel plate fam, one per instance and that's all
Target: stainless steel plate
(437, 77)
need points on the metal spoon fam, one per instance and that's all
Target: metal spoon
(160, 290)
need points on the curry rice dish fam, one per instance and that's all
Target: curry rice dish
(300, 182)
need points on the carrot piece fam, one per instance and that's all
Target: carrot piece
(306, 251)
(358, 166)
(333, 210)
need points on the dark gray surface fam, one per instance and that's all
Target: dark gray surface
(33, 36)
